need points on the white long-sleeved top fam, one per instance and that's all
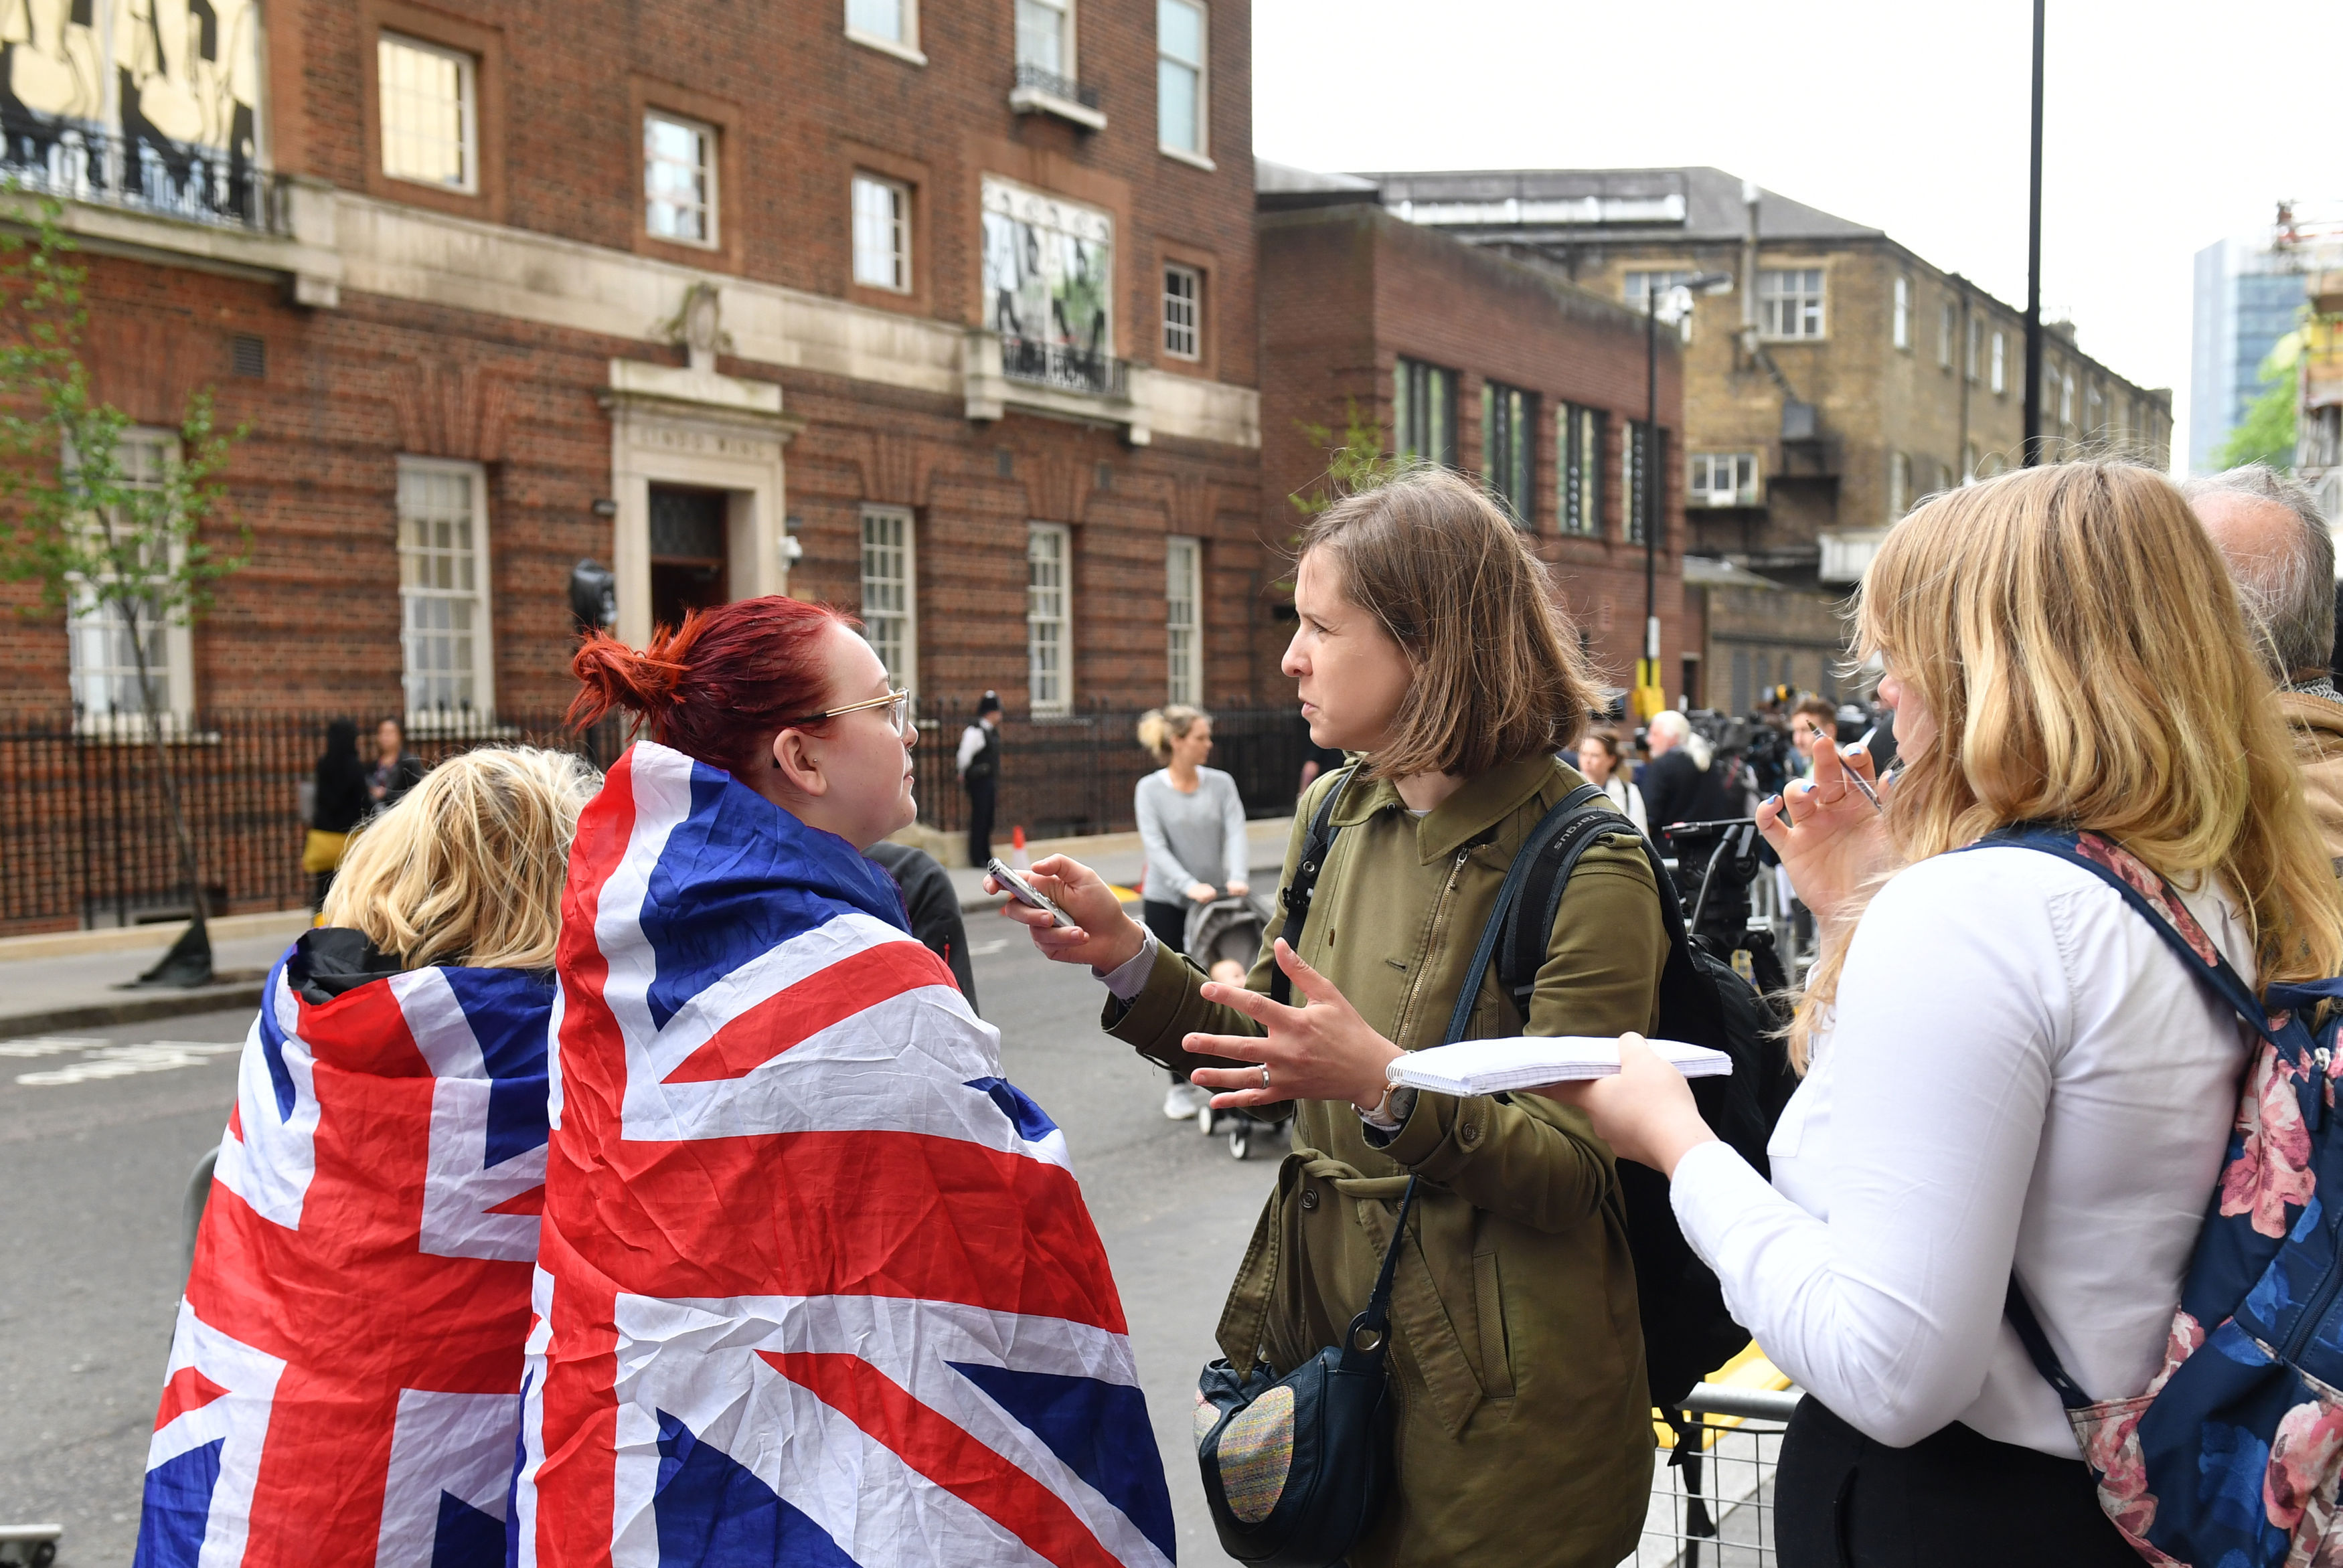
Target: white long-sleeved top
(971, 741)
(2018, 1070)
(1628, 799)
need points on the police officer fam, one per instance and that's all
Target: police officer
(979, 773)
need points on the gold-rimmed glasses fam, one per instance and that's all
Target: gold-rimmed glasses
(896, 703)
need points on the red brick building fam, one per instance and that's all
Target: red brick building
(945, 312)
(1497, 369)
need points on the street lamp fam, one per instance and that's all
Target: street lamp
(1650, 695)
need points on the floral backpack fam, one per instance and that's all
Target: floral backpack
(2232, 1458)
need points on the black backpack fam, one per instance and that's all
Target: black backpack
(1688, 1331)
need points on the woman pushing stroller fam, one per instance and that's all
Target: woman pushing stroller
(1192, 822)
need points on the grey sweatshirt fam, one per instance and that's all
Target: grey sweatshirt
(1198, 838)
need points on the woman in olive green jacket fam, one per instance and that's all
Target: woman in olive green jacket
(1429, 639)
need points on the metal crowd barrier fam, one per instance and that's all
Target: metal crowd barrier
(1715, 1509)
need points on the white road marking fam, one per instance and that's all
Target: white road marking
(122, 1060)
(48, 1044)
(986, 949)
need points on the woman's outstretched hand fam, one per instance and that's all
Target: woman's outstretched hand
(1102, 936)
(1321, 1051)
(1645, 1113)
(1831, 838)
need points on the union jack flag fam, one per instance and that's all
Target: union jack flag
(344, 1381)
(818, 1285)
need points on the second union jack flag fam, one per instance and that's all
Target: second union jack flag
(344, 1383)
(818, 1285)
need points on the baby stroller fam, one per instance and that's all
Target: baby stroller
(1230, 930)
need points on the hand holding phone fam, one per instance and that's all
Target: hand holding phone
(1019, 888)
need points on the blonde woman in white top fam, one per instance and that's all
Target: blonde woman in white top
(2010, 1072)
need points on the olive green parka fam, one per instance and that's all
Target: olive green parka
(1524, 1431)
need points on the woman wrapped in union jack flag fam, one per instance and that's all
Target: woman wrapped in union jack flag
(817, 1282)
(344, 1376)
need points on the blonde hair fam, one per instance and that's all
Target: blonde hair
(2074, 635)
(468, 869)
(1159, 726)
(1499, 677)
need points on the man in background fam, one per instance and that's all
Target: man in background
(979, 774)
(2267, 526)
(1678, 784)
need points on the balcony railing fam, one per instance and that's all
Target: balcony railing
(81, 162)
(1034, 78)
(1064, 367)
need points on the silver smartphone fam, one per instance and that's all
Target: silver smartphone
(1023, 891)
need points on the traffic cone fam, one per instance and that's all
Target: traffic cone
(1018, 858)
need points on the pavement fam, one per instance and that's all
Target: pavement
(69, 981)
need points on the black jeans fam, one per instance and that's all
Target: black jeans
(981, 792)
(1955, 1499)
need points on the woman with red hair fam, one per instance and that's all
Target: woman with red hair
(816, 1282)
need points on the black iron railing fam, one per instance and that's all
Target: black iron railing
(1063, 88)
(1063, 365)
(85, 837)
(81, 162)
(1076, 774)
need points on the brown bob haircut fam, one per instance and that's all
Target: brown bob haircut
(1498, 674)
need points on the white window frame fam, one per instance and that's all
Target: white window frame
(906, 47)
(1738, 471)
(484, 661)
(903, 667)
(1974, 363)
(1047, 624)
(1201, 66)
(1948, 327)
(1183, 635)
(1192, 303)
(1899, 484)
(90, 621)
(900, 262)
(1903, 327)
(711, 150)
(2066, 398)
(2000, 379)
(467, 136)
(1067, 66)
(1792, 312)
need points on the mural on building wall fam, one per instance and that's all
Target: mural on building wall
(1047, 268)
(142, 102)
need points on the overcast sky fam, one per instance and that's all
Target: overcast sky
(2168, 125)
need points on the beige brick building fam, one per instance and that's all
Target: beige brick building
(1821, 404)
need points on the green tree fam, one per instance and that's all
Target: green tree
(98, 537)
(1357, 462)
(2266, 435)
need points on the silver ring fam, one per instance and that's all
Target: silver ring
(1264, 1075)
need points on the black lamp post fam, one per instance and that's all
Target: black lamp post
(1649, 694)
(2033, 448)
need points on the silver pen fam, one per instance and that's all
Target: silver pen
(1858, 780)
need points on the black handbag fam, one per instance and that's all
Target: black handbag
(1295, 1467)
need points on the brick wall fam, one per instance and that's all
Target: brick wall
(313, 620)
(1347, 290)
(802, 106)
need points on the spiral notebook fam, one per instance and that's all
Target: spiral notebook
(1525, 1062)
